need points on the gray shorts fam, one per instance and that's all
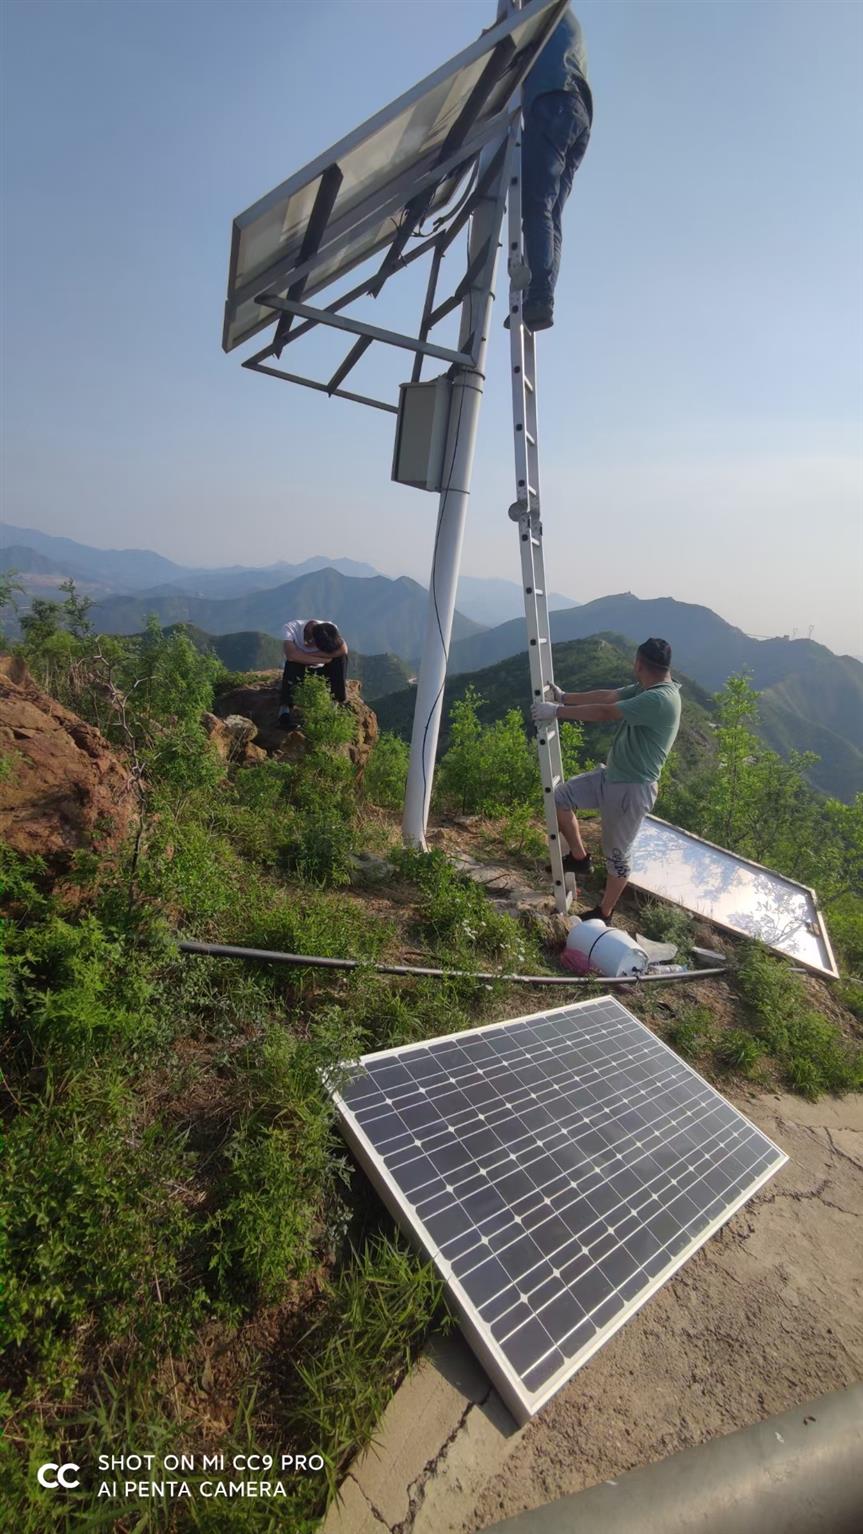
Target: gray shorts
(623, 807)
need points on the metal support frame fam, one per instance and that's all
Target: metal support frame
(328, 191)
(368, 332)
(311, 383)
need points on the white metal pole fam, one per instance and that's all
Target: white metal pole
(452, 511)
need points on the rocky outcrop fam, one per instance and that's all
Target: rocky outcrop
(62, 787)
(234, 738)
(259, 703)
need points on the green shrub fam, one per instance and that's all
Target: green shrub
(325, 723)
(692, 1031)
(283, 1161)
(318, 850)
(305, 920)
(387, 772)
(850, 993)
(95, 1234)
(520, 833)
(738, 1050)
(486, 768)
(75, 990)
(668, 924)
(811, 1050)
(386, 1300)
(457, 917)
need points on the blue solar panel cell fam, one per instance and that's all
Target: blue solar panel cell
(557, 1169)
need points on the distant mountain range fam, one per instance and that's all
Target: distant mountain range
(44, 561)
(490, 601)
(139, 570)
(811, 699)
(374, 613)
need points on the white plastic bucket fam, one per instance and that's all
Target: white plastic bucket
(592, 945)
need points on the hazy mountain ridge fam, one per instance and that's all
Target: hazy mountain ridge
(488, 601)
(376, 614)
(129, 569)
(492, 601)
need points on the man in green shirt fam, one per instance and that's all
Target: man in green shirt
(625, 789)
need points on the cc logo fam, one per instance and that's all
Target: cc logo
(52, 1476)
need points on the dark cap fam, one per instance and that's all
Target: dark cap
(657, 652)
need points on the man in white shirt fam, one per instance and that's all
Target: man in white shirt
(311, 644)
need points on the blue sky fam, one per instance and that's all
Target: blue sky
(702, 390)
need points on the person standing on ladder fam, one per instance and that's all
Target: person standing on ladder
(625, 790)
(558, 111)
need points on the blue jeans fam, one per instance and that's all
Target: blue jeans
(556, 133)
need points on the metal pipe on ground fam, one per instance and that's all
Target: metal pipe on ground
(317, 961)
(801, 1473)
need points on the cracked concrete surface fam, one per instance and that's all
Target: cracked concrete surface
(767, 1315)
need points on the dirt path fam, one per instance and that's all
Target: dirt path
(767, 1315)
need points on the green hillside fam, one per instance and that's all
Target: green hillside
(247, 651)
(604, 660)
(839, 770)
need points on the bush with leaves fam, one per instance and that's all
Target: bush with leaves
(458, 919)
(667, 923)
(91, 1237)
(487, 767)
(811, 1050)
(283, 1163)
(387, 772)
(692, 1031)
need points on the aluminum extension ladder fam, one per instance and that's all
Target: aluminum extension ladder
(525, 510)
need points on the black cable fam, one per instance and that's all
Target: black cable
(448, 218)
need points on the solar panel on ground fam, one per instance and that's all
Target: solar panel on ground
(557, 1169)
(375, 172)
(732, 892)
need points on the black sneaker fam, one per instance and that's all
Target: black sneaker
(596, 913)
(573, 865)
(289, 720)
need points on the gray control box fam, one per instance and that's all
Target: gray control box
(421, 433)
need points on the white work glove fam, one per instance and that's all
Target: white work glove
(541, 711)
(556, 692)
